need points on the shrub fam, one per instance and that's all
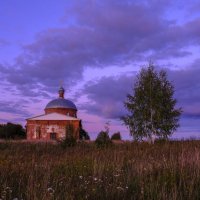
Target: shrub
(83, 135)
(116, 136)
(69, 140)
(103, 139)
(12, 131)
(161, 140)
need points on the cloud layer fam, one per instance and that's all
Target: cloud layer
(106, 96)
(100, 34)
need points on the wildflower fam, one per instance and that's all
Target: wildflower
(60, 183)
(120, 188)
(8, 190)
(142, 190)
(80, 177)
(50, 190)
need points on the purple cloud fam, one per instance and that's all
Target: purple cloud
(103, 33)
(18, 107)
(106, 96)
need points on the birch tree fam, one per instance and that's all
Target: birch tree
(152, 108)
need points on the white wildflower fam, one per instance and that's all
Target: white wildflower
(50, 190)
(120, 188)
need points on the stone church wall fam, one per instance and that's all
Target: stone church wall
(42, 130)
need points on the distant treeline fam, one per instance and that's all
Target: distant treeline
(12, 131)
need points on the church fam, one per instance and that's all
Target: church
(60, 113)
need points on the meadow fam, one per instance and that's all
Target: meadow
(165, 170)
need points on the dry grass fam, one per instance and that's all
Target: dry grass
(123, 171)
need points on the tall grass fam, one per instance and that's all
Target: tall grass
(169, 170)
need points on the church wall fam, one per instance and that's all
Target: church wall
(42, 129)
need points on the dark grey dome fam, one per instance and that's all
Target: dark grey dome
(61, 103)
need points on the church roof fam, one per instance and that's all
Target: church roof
(53, 116)
(61, 103)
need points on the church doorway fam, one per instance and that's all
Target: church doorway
(53, 136)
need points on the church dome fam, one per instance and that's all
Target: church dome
(61, 103)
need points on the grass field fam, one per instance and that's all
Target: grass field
(168, 170)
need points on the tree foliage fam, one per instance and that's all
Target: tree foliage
(12, 131)
(116, 136)
(83, 134)
(151, 107)
(103, 139)
(69, 140)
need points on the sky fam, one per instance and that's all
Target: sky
(96, 48)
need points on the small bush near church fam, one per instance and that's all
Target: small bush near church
(83, 134)
(103, 139)
(69, 140)
(116, 136)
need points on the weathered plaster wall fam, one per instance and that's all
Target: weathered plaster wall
(42, 129)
